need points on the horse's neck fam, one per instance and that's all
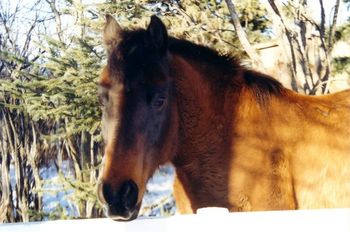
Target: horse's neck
(205, 109)
(205, 118)
(202, 87)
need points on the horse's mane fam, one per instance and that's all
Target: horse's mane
(263, 86)
(203, 54)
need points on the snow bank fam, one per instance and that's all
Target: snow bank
(302, 220)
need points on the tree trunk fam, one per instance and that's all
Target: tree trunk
(6, 203)
(309, 56)
(253, 55)
(285, 43)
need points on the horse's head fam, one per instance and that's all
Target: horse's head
(136, 92)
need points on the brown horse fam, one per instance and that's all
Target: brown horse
(237, 138)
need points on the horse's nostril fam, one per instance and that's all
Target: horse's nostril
(128, 194)
(121, 199)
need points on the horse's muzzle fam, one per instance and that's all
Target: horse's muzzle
(121, 202)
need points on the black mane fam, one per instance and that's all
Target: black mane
(262, 85)
(203, 54)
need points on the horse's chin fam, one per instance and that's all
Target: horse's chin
(125, 216)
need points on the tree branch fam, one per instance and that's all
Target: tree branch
(323, 20)
(242, 36)
(57, 15)
(332, 26)
(273, 8)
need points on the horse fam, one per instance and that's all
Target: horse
(237, 138)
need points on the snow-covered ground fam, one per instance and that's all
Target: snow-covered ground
(299, 220)
(54, 194)
(158, 200)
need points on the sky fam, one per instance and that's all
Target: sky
(343, 14)
(315, 9)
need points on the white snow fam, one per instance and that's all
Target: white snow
(54, 195)
(300, 220)
(158, 200)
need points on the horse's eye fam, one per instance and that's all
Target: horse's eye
(159, 102)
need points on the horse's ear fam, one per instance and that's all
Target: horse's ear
(111, 33)
(157, 35)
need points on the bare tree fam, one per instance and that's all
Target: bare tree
(309, 53)
(254, 56)
(57, 16)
